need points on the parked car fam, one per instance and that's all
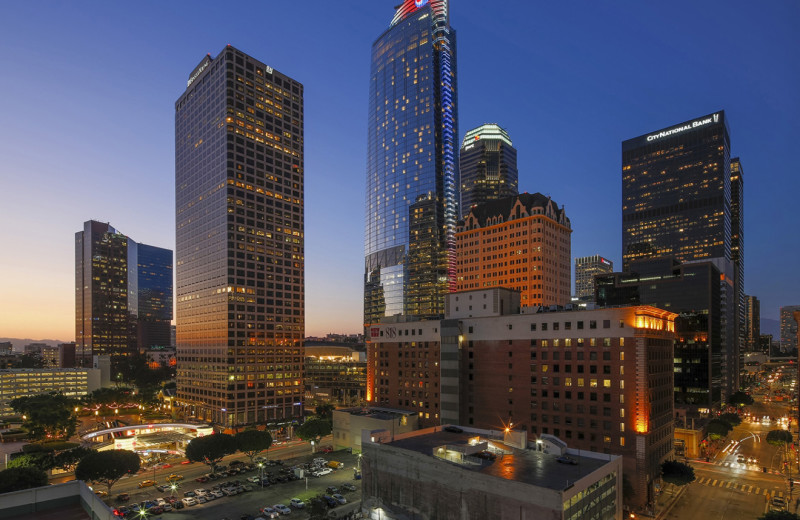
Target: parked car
(147, 483)
(332, 490)
(339, 498)
(327, 449)
(282, 509)
(335, 464)
(322, 472)
(453, 429)
(189, 501)
(123, 497)
(567, 460)
(348, 487)
(330, 501)
(268, 512)
(297, 503)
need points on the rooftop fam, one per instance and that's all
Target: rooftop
(527, 466)
(384, 414)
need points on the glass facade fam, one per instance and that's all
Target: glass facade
(586, 268)
(412, 175)
(150, 302)
(737, 254)
(240, 242)
(488, 167)
(101, 291)
(676, 192)
(693, 292)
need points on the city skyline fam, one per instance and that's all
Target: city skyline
(91, 104)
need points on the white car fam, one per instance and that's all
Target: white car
(282, 509)
(297, 503)
(254, 480)
(269, 512)
(189, 501)
(218, 494)
(322, 472)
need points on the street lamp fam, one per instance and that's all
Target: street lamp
(261, 474)
(312, 447)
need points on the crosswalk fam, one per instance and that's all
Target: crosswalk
(741, 487)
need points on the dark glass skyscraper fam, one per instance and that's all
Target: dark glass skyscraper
(737, 253)
(101, 291)
(123, 298)
(240, 246)
(677, 202)
(488, 167)
(412, 173)
(150, 304)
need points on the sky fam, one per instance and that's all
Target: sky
(87, 93)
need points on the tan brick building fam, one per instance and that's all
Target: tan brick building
(521, 242)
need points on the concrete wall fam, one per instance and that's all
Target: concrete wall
(49, 498)
(347, 427)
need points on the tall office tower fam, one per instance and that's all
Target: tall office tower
(150, 302)
(101, 291)
(491, 252)
(692, 291)
(789, 327)
(487, 164)
(752, 323)
(123, 293)
(586, 267)
(412, 173)
(676, 202)
(737, 254)
(240, 246)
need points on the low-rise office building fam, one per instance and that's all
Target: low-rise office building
(24, 382)
(335, 375)
(477, 474)
(350, 423)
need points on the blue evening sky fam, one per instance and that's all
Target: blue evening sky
(87, 92)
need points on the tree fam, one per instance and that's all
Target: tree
(210, 449)
(16, 479)
(731, 418)
(779, 515)
(677, 473)
(69, 459)
(779, 437)
(325, 411)
(253, 442)
(107, 467)
(314, 430)
(717, 429)
(740, 399)
(42, 460)
(47, 415)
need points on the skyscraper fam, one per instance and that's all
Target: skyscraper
(586, 267)
(240, 246)
(752, 321)
(677, 202)
(101, 291)
(123, 297)
(737, 254)
(789, 327)
(488, 167)
(412, 173)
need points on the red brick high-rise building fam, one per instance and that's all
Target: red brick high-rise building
(520, 242)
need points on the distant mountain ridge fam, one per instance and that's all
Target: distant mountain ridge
(19, 344)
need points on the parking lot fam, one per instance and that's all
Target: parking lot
(251, 502)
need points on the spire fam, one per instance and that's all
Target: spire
(408, 7)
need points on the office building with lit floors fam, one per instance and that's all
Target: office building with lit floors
(488, 167)
(752, 323)
(789, 327)
(586, 267)
(240, 242)
(682, 198)
(520, 242)
(600, 380)
(412, 170)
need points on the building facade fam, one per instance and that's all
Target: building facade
(789, 327)
(26, 382)
(412, 171)
(737, 256)
(101, 291)
(515, 480)
(586, 267)
(691, 291)
(240, 241)
(521, 242)
(752, 323)
(601, 380)
(678, 201)
(487, 164)
(123, 293)
(335, 375)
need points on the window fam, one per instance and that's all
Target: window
(592, 324)
(555, 325)
(567, 325)
(606, 324)
(533, 326)
(544, 326)
(580, 325)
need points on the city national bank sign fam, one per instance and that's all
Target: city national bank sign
(683, 128)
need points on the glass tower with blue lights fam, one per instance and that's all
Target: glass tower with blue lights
(412, 169)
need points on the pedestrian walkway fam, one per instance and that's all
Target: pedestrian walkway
(743, 488)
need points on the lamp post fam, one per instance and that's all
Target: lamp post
(312, 447)
(261, 474)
